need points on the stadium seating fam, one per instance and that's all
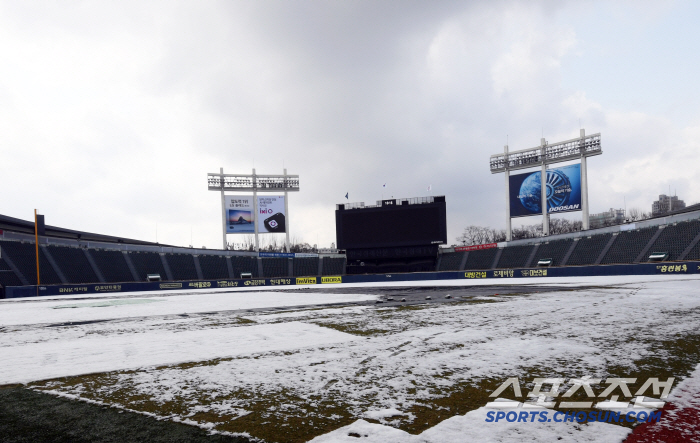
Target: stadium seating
(112, 265)
(23, 255)
(694, 253)
(556, 250)
(628, 245)
(305, 266)
(147, 263)
(181, 266)
(73, 264)
(481, 259)
(244, 265)
(451, 261)
(333, 266)
(7, 277)
(79, 265)
(213, 267)
(275, 267)
(514, 256)
(588, 249)
(675, 238)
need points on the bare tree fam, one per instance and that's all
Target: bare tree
(497, 235)
(470, 235)
(247, 243)
(635, 214)
(476, 235)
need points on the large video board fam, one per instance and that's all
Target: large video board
(240, 214)
(563, 191)
(391, 225)
(271, 216)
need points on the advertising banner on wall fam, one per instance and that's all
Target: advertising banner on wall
(239, 214)
(563, 191)
(476, 247)
(271, 216)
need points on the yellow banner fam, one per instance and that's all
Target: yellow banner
(306, 280)
(534, 272)
(475, 274)
(332, 279)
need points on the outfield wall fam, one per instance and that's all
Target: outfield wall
(676, 268)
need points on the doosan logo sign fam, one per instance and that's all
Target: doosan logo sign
(564, 208)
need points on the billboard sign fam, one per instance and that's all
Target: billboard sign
(271, 216)
(563, 191)
(476, 247)
(239, 214)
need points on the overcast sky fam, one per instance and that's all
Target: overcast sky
(113, 113)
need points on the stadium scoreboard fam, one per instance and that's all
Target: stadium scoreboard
(392, 223)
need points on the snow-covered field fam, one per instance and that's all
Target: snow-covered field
(247, 362)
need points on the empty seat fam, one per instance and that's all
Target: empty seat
(451, 261)
(23, 255)
(73, 264)
(694, 253)
(112, 265)
(275, 267)
(555, 250)
(514, 256)
(675, 238)
(305, 266)
(243, 264)
(587, 250)
(182, 266)
(147, 263)
(481, 259)
(628, 245)
(213, 266)
(7, 276)
(333, 266)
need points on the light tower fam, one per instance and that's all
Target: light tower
(541, 156)
(253, 183)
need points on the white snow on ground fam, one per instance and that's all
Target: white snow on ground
(471, 427)
(397, 359)
(384, 413)
(99, 353)
(685, 395)
(124, 305)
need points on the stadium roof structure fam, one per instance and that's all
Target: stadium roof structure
(27, 227)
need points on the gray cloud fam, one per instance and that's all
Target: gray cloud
(114, 112)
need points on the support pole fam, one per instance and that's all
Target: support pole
(509, 235)
(36, 244)
(545, 215)
(223, 210)
(255, 210)
(584, 184)
(286, 212)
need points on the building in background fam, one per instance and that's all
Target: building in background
(666, 203)
(607, 218)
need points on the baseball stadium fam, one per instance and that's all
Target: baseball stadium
(393, 336)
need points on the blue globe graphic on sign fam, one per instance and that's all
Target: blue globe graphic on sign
(558, 190)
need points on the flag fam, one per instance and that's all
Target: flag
(346, 195)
